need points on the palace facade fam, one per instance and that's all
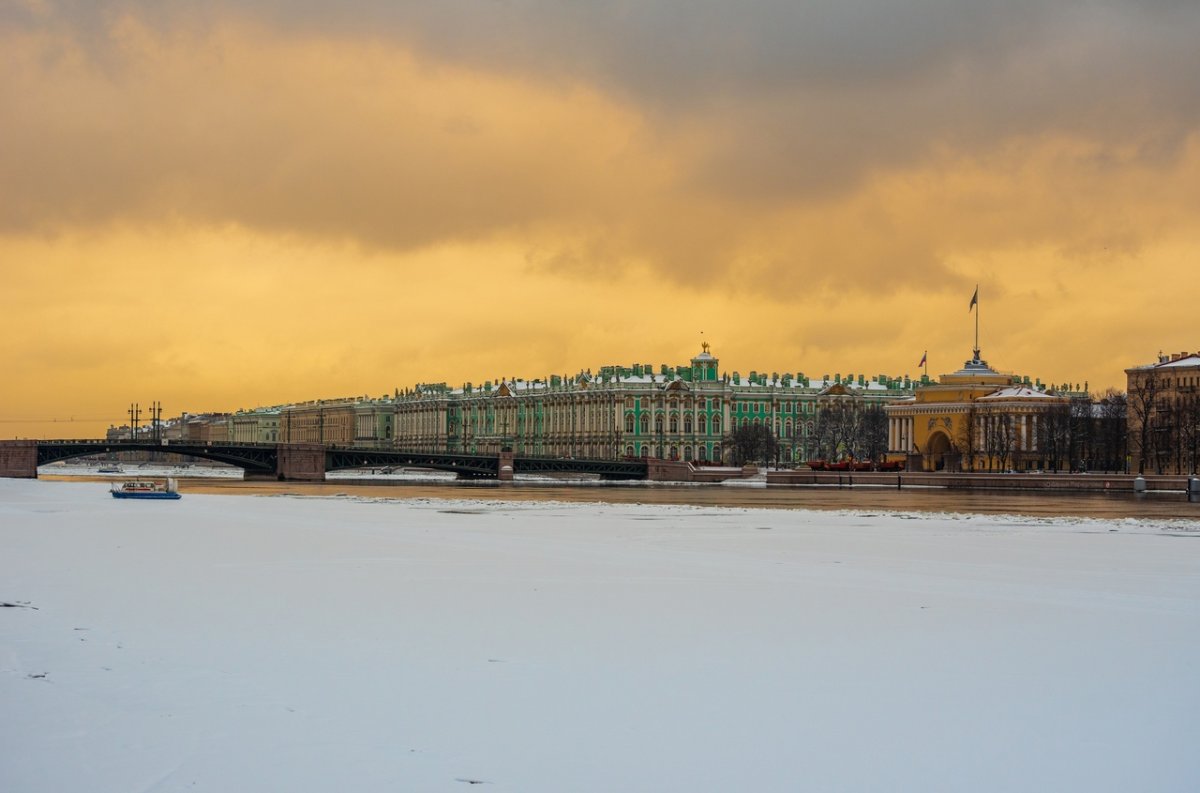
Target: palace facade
(672, 412)
(972, 419)
(978, 419)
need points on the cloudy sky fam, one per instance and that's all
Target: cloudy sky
(222, 205)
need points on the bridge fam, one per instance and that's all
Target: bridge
(310, 462)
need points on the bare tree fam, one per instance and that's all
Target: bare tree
(836, 430)
(1054, 435)
(1142, 399)
(1176, 433)
(1189, 431)
(752, 443)
(1082, 433)
(1112, 430)
(966, 439)
(999, 437)
(873, 432)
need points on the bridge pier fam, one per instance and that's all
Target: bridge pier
(301, 462)
(504, 466)
(18, 459)
(669, 470)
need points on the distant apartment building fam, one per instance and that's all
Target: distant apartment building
(329, 422)
(1164, 414)
(205, 427)
(260, 425)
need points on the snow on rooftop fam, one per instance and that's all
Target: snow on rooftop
(1190, 360)
(1018, 392)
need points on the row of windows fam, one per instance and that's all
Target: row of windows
(715, 404)
(646, 450)
(643, 424)
(786, 407)
(672, 425)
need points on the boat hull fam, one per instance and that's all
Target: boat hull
(158, 496)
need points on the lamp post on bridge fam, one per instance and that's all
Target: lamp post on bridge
(135, 415)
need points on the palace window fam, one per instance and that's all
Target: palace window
(687, 423)
(716, 425)
(658, 423)
(644, 423)
(629, 422)
(703, 424)
(674, 424)
(703, 454)
(687, 453)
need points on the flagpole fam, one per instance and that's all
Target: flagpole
(976, 321)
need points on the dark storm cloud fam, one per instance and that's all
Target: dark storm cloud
(758, 110)
(809, 94)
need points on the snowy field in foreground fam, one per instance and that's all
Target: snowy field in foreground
(237, 643)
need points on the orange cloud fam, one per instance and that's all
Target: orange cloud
(225, 214)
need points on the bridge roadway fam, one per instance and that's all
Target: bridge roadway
(309, 462)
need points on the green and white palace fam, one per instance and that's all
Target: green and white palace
(674, 412)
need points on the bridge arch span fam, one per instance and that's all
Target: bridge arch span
(253, 459)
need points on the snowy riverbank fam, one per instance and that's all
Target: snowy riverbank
(233, 643)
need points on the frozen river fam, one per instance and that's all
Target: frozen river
(318, 641)
(429, 484)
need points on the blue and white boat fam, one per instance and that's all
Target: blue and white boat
(145, 488)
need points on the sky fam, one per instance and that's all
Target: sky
(223, 205)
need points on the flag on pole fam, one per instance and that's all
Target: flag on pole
(923, 356)
(974, 299)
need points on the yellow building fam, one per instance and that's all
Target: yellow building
(978, 419)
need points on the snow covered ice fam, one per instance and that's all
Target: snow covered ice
(238, 643)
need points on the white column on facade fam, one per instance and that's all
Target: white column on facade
(1024, 433)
